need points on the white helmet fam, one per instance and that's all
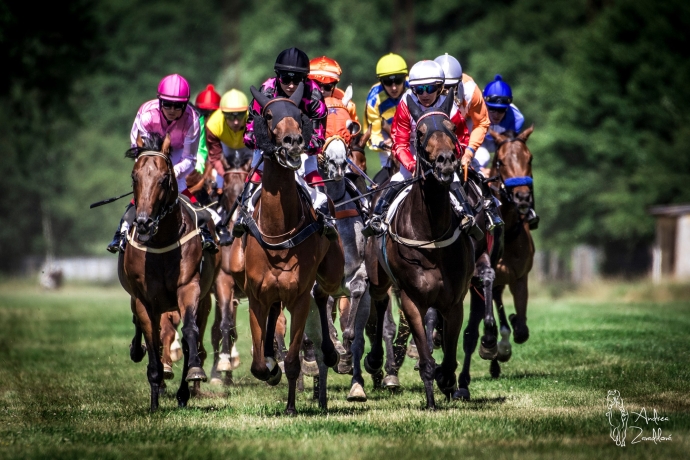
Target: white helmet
(425, 72)
(451, 68)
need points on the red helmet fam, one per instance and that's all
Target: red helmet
(208, 99)
(324, 70)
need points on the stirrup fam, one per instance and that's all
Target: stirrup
(532, 219)
(492, 220)
(469, 226)
(374, 227)
(224, 236)
(207, 241)
(118, 243)
(329, 230)
(240, 228)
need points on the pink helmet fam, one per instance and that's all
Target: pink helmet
(174, 88)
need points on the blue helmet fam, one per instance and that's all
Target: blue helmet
(498, 94)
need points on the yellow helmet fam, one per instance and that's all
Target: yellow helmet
(234, 101)
(391, 64)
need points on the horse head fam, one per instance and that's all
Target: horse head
(154, 184)
(284, 124)
(237, 167)
(435, 139)
(513, 162)
(334, 158)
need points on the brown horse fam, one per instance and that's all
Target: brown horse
(163, 267)
(425, 253)
(513, 163)
(224, 329)
(284, 270)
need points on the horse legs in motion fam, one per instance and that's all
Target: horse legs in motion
(224, 329)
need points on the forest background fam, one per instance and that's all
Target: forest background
(604, 82)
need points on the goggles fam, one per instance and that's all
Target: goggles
(173, 105)
(291, 77)
(326, 86)
(234, 115)
(392, 80)
(430, 88)
(498, 100)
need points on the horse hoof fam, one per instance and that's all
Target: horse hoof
(391, 382)
(162, 389)
(291, 412)
(344, 366)
(224, 364)
(339, 347)
(520, 329)
(276, 375)
(332, 361)
(310, 368)
(176, 355)
(234, 358)
(196, 374)
(495, 369)
(216, 381)
(371, 369)
(412, 351)
(168, 373)
(137, 357)
(488, 353)
(504, 347)
(461, 393)
(377, 379)
(357, 393)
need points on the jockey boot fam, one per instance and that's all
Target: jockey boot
(329, 229)
(225, 238)
(120, 238)
(208, 243)
(469, 225)
(241, 227)
(493, 218)
(375, 225)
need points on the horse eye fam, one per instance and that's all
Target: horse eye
(268, 117)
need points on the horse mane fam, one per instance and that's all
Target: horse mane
(152, 142)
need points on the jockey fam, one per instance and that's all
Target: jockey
(169, 115)
(382, 100)
(326, 73)
(426, 85)
(225, 131)
(206, 103)
(291, 68)
(504, 116)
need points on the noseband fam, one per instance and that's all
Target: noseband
(421, 144)
(167, 209)
(279, 154)
(507, 185)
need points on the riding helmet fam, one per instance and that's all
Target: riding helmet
(234, 101)
(292, 60)
(391, 64)
(208, 99)
(451, 68)
(174, 88)
(425, 72)
(498, 94)
(324, 70)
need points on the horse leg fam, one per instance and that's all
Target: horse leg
(216, 377)
(314, 328)
(519, 320)
(260, 368)
(137, 350)
(370, 330)
(330, 354)
(486, 275)
(373, 362)
(430, 320)
(269, 351)
(427, 365)
(188, 300)
(391, 380)
(345, 364)
(358, 288)
(203, 313)
(445, 375)
(279, 341)
(357, 385)
(504, 347)
(167, 339)
(298, 319)
(470, 339)
(150, 324)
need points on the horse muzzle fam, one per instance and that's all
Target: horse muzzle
(146, 228)
(445, 167)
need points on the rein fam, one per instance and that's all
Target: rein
(168, 209)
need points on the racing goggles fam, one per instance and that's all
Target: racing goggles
(326, 86)
(391, 80)
(173, 105)
(291, 77)
(505, 100)
(429, 88)
(234, 115)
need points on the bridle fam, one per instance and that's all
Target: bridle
(507, 185)
(421, 143)
(279, 154)
(164, 211)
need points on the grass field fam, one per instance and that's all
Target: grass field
(70, 390)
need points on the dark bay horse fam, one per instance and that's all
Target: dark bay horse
(425, 253)
(224, 329)
(163, 267)
(285, 269)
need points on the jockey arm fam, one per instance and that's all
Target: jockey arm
(477, 112)
(400, 133)
(215, 151)
(191, 145)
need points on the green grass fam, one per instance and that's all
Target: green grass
(69, 390)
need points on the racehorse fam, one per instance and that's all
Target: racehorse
(284, 270)
(163, 267)
(425, 252)
(224, 330)
(513, 163)
(355, 304)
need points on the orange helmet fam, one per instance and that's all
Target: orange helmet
(208, 99)
(325, 70)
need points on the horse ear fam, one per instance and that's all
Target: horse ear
(297, 95)
(498, 138)
(348, 95)
(525, 134)
(165, 148)
(414, 109)
(261, 98)
(447, 106)
(353, 127)
(140, 142)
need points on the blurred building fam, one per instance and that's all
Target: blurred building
(671, 254)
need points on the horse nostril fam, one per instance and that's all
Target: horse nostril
(287, 140)
(299, 140)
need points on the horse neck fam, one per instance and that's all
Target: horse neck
(170, 227)
(509, 213)
(433, 199)
(280, 209)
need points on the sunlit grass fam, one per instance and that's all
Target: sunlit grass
(70, 389)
